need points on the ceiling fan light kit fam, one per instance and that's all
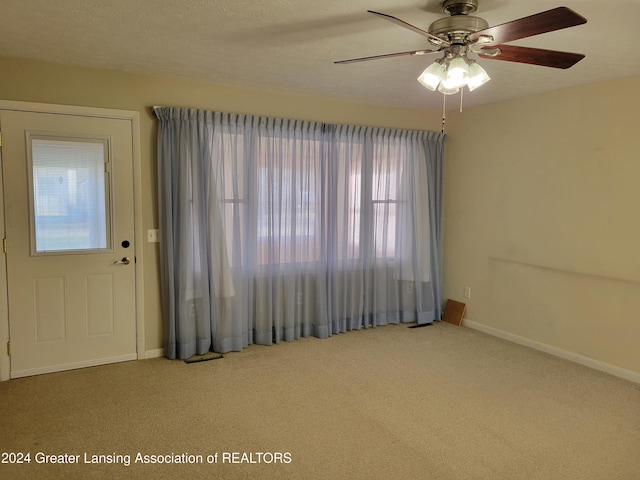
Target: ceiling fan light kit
(453, 71)
(460, 33)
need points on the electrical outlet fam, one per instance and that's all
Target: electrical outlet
(467, 292)
(409, 288)
(153, 236)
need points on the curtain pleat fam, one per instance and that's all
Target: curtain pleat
(276, 229)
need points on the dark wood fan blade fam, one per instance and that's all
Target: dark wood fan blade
(549, 21)
(388, 55)
(534, 56)
(402, 23)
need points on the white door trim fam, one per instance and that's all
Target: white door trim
(134, 118)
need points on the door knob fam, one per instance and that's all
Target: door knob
(124, 261)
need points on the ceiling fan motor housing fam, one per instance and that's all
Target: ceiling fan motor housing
(457, 24)
(456, 27)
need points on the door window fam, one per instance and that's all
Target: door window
(70, 194)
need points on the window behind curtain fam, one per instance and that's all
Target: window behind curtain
(370, 198)
(272, 200)
(288, 197)
(283, 185)
(385, 190)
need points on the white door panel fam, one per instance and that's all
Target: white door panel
(69, 219)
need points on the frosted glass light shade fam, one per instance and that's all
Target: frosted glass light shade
(445, 89)
(431, 76)
(457, 73)
(477, 76)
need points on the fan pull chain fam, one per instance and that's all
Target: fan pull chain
(444, 112)
(461, 97)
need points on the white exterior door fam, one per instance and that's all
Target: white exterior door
(70, 251)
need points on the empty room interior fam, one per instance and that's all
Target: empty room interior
(267, 201)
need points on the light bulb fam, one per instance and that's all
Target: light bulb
(457, 73)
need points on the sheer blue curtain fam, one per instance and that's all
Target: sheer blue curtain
(275, 229)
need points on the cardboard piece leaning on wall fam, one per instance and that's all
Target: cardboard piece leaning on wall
(454, 312)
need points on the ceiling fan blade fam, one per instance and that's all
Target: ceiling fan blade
(533, 56)
(549, 21)
(388, 55)
(402, 23)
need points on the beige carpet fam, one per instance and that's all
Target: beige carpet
(441, 403)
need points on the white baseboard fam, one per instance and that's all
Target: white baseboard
(158, 352)
(558, 352)
(72, 366)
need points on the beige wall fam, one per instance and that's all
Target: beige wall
(542, 219)
(41, 82)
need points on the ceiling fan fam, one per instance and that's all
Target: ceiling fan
(461, 33)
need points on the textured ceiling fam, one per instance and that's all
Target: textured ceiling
(291, 45)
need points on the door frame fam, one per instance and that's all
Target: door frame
(134, 118)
